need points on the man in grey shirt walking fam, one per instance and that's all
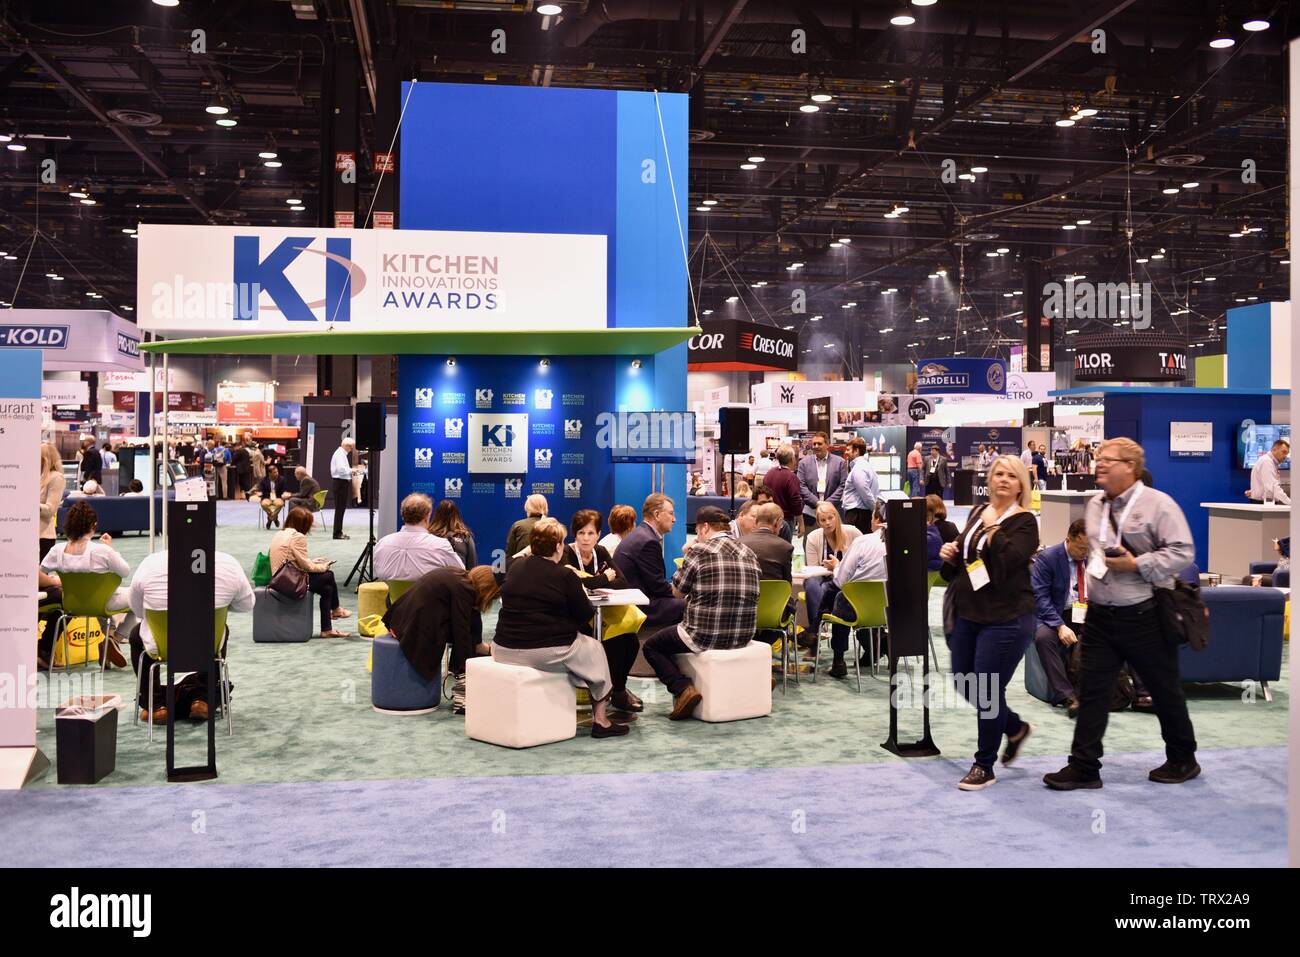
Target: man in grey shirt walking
(1138, 541)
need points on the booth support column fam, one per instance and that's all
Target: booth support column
(153, 466)
(166, 404)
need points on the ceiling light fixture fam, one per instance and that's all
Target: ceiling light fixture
(1086, 111)
(1255, 24)
(272, 164)
(550, 9)
(16, 147)
(1170, 191)
(814, 318)
(268, 155)
(821, 96)
(749, 166)
(1003, 250)
(1083, 222)
(79, 194)
(1069, 226)
(809, 108)
(217, 107)
(1192, 185)
(902, 19)
(227, 122)
(969, 177)
(704, 209)
(757, 159)
(979, 169)
(1065, 119)
(293, 201)
(835, 244)
(709, 202)
(733, 299)
(167, 3)
(707, 312)
(1222, 40)
(87, 202)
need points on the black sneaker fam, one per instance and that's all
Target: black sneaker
(839, 669)
(1013, 744)
(1172, 773)
(976, 779)
(1070, 778)
(609, 731)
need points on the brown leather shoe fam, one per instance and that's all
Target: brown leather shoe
(684, 704)
(115, 657)
(159, 715)
(199, 710)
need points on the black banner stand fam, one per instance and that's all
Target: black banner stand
(191, 593)
(908, 613)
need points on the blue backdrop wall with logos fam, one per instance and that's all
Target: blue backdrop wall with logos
(541, 160)
(448, 415)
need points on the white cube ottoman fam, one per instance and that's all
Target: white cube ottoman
(735, 684)
(518, 707)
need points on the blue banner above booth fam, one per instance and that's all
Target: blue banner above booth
(957, 375)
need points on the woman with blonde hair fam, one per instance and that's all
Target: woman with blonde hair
(52, 485)
(992, 621)
(824, 547)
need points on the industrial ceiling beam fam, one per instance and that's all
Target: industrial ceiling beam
(720, 31)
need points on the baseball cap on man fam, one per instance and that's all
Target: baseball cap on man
(711, 515)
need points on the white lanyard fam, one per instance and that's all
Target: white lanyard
(581, 564)
(980, 539)
(1123, 519)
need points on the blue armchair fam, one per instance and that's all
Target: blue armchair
(1245, 637)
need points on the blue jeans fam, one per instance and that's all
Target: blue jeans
(982, 656)
(814, 590)
(914, 483)
(840, 633)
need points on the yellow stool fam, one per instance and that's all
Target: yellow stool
(372, 599)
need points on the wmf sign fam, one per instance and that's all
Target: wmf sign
(498, 442)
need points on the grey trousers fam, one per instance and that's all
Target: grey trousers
(584, 660)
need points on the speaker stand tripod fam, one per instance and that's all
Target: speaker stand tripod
(364, 569)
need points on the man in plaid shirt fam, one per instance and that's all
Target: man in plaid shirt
(719, 580)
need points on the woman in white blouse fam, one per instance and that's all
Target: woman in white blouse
(825, 547)
(83, 553)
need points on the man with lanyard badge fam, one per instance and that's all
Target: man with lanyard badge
(1139, 540)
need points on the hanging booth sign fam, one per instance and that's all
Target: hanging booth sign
(66, 391)
(958, 375)
(245, 403)
(730, 345)
(905, 409)
(73, 340)
(1128, 357)
(235, 280)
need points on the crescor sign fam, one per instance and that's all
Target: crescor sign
(730, 345)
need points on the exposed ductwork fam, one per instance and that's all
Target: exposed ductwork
(1033, 22)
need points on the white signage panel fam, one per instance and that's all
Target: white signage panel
(65, 391)
(1194, 439)
(498, 442)
(20, 479)
(232, 280)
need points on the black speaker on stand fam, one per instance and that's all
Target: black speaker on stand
(368, 428)
(907, 592)
(734, 424)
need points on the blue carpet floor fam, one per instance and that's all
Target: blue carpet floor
(864, 815)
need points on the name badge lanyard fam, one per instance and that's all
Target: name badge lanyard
(1123, 519)
(975, 545)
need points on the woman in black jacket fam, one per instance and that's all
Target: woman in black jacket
(987, 570)
(544, 614)
(585, 554)
(447, 523)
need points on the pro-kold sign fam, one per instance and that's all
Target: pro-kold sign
(730, 345)
(1130, 358)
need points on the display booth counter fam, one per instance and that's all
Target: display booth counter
(1060, 508)
(1241, 533)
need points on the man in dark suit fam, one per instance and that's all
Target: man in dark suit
(821, 478)
(272, 495)
(1060, 581)
(307, 489)
(935, 472)
(775, 555)
(640, 559)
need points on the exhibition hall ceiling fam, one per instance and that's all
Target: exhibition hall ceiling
(1118, 141)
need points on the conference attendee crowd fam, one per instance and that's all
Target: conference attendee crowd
(1003, 590)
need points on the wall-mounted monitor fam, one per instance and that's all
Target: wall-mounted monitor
(1253, 440)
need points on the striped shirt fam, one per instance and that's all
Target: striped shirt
(720, 581)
